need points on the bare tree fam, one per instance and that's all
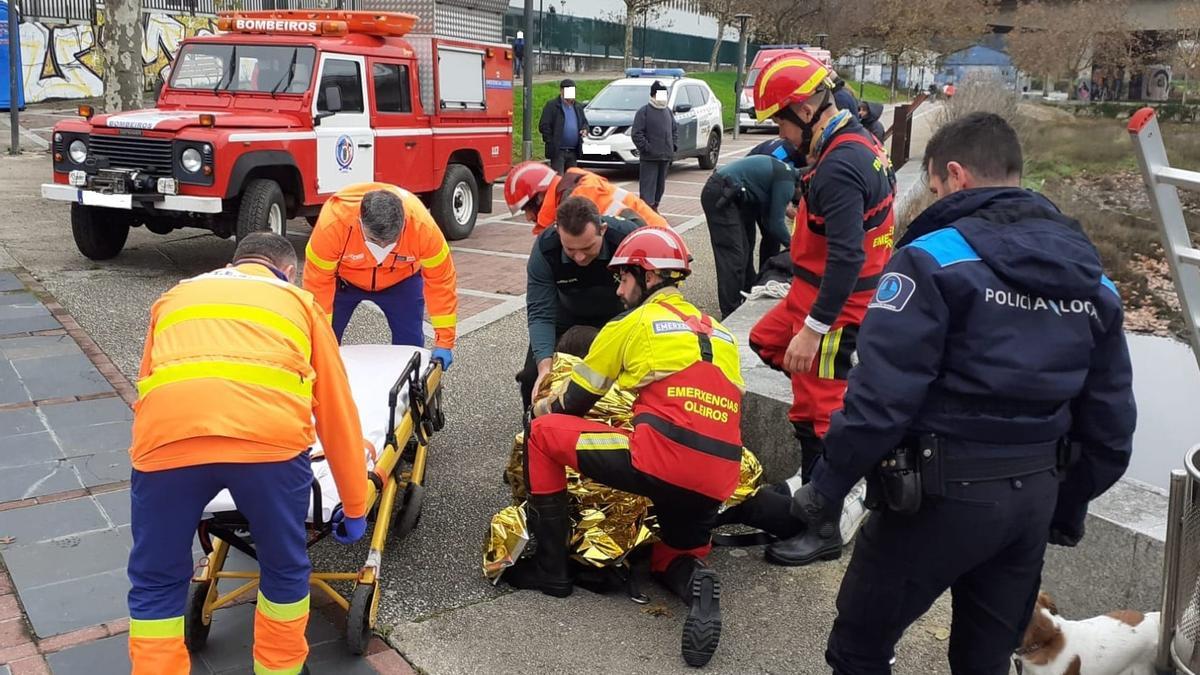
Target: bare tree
(642, 10)
(722, 11)
(1187, 45)
(1063, 40)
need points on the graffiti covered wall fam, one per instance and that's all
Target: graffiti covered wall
(62, 61)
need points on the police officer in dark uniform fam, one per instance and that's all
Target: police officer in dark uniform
(992, 401)
(569, 283)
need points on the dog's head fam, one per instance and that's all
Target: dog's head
(1043, 640)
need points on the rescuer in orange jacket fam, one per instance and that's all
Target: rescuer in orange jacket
(537, 190)
(378, 242)
(236, 365)
(684, 452)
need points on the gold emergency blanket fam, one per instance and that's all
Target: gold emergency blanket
(608, 523)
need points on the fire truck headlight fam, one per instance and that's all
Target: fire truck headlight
(78, 151)
(190, 160)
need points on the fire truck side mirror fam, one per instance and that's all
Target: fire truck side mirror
(332, 106)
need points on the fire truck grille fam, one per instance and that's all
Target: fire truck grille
(150, 154)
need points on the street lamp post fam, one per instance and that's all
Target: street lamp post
(14, 76)
(741, 69)
(527, 80)
(645, 16)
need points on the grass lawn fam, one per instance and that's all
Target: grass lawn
(721, 83)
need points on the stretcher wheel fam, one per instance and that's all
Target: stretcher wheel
(361, 620)
(410, 509)
(195, 631)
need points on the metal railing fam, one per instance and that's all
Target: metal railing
(1179, 639)
(71, 11)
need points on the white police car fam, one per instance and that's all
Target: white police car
(697, 110)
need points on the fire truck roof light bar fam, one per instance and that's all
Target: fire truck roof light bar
(306, 22)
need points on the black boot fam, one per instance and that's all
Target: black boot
(822, 539)
(546, 570)
(700, 589)
(769, 510)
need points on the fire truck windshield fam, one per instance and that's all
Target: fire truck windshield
(244, 68)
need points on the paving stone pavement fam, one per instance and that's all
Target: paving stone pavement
(65, 533)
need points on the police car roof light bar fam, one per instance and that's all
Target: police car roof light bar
(762, 47)
(655, 72)
(315, 22)
(1163, 184)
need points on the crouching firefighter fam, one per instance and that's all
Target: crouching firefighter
(685, 448)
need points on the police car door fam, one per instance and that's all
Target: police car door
(345, 141)
(685, 117)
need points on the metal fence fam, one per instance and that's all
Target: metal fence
(1179, 643)
(84, 11)
(556, 33)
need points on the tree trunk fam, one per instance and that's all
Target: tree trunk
(123, 76)
(895, 75)
(716, 52)
(630, 17)
(1185, 87)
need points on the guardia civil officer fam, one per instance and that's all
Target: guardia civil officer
(993, 345)
(569, 283)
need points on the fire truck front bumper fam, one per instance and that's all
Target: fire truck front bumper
(129, 201)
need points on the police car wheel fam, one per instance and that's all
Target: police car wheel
(99, 233)
(712, 151)
(456, 203)
(262, 209)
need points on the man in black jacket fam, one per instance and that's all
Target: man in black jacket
(562, 126)
(656, 136)
(569, 283)
(868, 115)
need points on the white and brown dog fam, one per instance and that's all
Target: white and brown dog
(1119, 643)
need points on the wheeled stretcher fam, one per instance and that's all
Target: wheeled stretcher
(398, 393)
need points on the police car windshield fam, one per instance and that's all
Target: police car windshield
(257, 68)
(621, 97)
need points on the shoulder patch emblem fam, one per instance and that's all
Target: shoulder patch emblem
(893, 292)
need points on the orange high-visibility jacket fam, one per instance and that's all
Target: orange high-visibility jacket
(609, 199)
(237, 364)
(338, 250)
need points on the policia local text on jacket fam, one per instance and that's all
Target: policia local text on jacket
(994, 331)
(560, 294)
(259, 353)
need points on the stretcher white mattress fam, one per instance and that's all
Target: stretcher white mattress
(372, 370)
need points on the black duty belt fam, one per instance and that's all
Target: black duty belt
(812, 279)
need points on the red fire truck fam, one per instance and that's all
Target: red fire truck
(265, 120)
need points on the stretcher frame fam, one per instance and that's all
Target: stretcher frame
(386, 481)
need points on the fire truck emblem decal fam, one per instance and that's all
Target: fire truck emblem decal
(343, 151)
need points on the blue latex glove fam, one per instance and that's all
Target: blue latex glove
(347, 530)
(445, 356)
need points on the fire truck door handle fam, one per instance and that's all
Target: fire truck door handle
(410, 144)
(364, 145)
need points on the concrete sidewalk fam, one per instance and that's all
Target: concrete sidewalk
(64, 510)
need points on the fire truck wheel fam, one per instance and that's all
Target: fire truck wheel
(99, 233)
(456, 203)
(262, 209)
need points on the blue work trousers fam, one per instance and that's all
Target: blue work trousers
(167, 506)
(403, 306)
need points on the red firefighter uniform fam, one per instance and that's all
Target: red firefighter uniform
(237, 365)
(818, 391)
(337, 253)
(535, 186)
(685, 449)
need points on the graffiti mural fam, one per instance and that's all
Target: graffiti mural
(62, 61)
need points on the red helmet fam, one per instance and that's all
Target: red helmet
(657, 249)
(788, 79)
(524, 182)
